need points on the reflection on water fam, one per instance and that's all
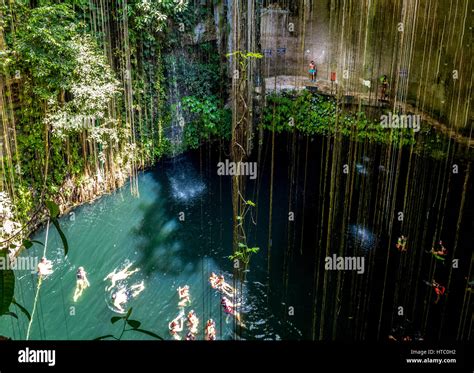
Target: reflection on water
(361, 239)
(185, 182)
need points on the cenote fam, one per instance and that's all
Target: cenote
(179, 229)
(123, 124)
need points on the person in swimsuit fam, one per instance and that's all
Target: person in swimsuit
(210, 330)
(193, 322)
(184, 298)
(120, 297)
(176, 327)
(123, 295)
(439, 290)
(312, 71)
(401, 243)
(218, 282)
(213, 279)
(229, 309)
(224, 286)
(137, 289)
(114, 276)
(440, 252)
(81, 283)
(45, 267)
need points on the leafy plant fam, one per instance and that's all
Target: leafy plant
(314, 114)
(243, 252)
(53, 216)
(208, 120)
(134, 326)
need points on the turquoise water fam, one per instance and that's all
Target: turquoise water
(146, 231)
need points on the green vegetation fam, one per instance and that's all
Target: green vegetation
(84, 105)
(134, 326)
(207, 120)
(314, 114)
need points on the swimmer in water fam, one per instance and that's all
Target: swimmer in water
(137, 289)
(218, 282)
(81, 283)
(193, 322)
(210, 330)
(184, 298)
(123, 295)
(229, 309)
(401, 243)
(176, 326)
(440, 252)
(119, 298)
(439, 290)
(114, 276)
(213, 280)
(45, 267)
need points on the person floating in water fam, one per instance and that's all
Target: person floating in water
(312, 71)
(438, 289)
(45, 267)
(81, 283)
(218, 282)
(137, 289)
(210, 330)
(193, 322)
(176, 326)
(120, 297)
(439, 252)
(114, 276)
(184, 298)
(229, 309)
(123, 295)
(401, 243)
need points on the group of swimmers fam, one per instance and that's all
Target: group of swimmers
(45, 268)
(219, 283)
(439, 252)
(176, 326)
(121, 296)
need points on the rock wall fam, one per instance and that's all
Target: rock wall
(424, 47)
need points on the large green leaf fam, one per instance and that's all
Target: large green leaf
(22, 309)
(103, 337)
(12, 314)
(29, 243)
(61, 234)
(134, 323)
(53, 209)
(7, 285)
(128, 313)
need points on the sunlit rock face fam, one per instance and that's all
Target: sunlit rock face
(421, 48)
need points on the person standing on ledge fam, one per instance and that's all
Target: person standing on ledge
(312, 71)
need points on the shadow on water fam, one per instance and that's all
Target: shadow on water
(167, 243)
